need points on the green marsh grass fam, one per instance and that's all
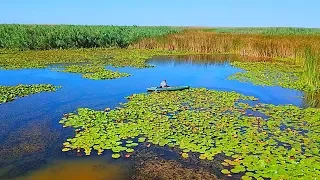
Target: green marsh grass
(311, 73)
(16, 36)
(311, 100)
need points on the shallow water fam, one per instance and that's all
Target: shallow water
(31, 138)
(78, 169)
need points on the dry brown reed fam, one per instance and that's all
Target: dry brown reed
(256, 45)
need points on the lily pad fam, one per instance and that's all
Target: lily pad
(185, 155)
(225, 171)
(116, 156)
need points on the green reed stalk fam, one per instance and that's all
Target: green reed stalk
(311, 100)
(311, 74)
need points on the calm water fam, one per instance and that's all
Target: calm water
(31, 138)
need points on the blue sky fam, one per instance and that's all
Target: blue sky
(231, 13)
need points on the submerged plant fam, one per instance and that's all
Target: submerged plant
(279, 142)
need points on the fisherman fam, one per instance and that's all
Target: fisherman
(164, 84)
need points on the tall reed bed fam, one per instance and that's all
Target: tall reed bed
(311, 100)
(311, 74)
(303, 50)
(269, 31)
(14, 36)
(268, 46)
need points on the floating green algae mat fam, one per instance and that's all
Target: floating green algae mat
(9, 93)
(95, 72)
(283, 143)
(273, 74)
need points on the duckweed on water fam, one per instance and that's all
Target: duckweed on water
(283, 144)
(273, 74)
(94, 72)
(9, 93)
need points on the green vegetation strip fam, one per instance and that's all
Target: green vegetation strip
(274, 74)
(15, 36)
(94, 72)
(94, 59)
(9, 93)
(261, 140)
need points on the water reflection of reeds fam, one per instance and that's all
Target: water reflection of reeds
(206, 59)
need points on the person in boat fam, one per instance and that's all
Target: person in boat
(163, 84)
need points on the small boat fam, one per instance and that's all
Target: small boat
(170, 88)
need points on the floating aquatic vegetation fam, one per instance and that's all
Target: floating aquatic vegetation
(106, 74)
(116, 156)
(9, 93)
(129, 150)
(225, 171)
(283, 144)
(100, 57)
(94, 72)
(184, 155)
(83, 69)
(141, 139)
(273, 74)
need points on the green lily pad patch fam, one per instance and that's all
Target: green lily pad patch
(9, 93)
(282, 145)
